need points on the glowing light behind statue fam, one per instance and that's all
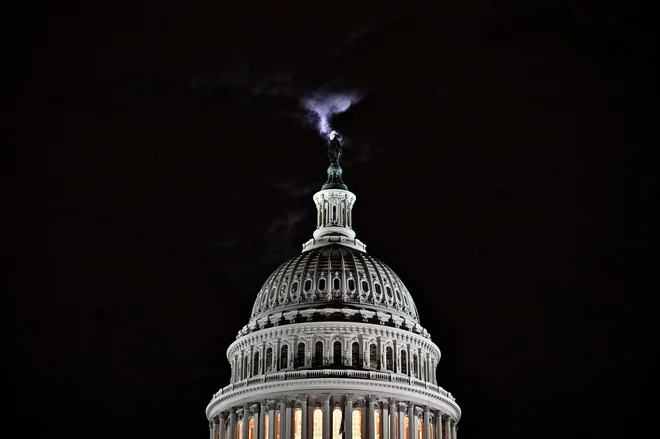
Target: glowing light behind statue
(325, 106)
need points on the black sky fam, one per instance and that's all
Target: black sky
(503, 159)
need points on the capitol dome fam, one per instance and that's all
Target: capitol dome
(333, 348)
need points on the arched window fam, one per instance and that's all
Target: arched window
(365, 286)
(284, 357)
(251, 431)
(245, 366)
(373, 356)
(336, 283)
(322, 284)
(404, 362)
(431, 435)
(377, 424)
(336, 353)
(265, 426)
(301, 355)
(355, 354)
(308, 285)
(334, 212)
(277, 426)
(336, 423)
(269, 359)
(379, 291)
(255, 366)
(240, 428)
(294, 288)
(406, 428)
(419, 429)
(297, 424)
(357, 424)
(351, 284)
(389, 358)
(318, 354)
(317, 424)
(415, 371)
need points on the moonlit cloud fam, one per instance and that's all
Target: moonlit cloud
(325, 106)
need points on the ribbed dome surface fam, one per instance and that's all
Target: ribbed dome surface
(334, 275)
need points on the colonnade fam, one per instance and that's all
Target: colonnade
(329, 416)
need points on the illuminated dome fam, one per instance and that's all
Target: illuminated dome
(333, 348)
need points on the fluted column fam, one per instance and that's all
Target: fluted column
(271, 419)
(231, 431)
(371, 430)
(384, 422)
(348, 413)
(288, 431)
(326, 416)
(303, 417)
(402, 416)
(393, 414)
(427, 424)
(282, 418)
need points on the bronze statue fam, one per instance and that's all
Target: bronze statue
(334, 149)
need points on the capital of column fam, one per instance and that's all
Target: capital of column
(350, 397)
(254, 409)
(418, 412)
(303, 397)
(427, 409)
(403, 407)
(371, 399)
(271, 405)
(391, 401)
(326, 397)
(263, 404)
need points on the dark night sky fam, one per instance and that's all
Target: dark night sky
(502, 157)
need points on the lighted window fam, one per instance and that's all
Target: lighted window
(373, 356)
(301, 355)
(317, 431)
(284, 357)
(251, 431)
(269, 359)
(377, 424)
(266, 425)
(297, 424)
(336, 353)
(431, 431)
(255, 366)
(389, 358)
(277, 425)
(336, 424)
(406, 428)
(318, 354)
(404, 362)
(355, 354)
(419, 429)
(357, 424)
(240, 429)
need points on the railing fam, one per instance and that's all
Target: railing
(335, 373)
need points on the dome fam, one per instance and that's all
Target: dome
(333, 276)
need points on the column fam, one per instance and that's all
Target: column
(448, 427)
(393, 414)
(303, 417)
(254, 411)
(231, 431)
(453, 430)
(371, 430)
(271, 419)
(221, 426)
(402, 415)
(384, 422)
(262, 421)
(246, 422)
(348, 413)
(427, 424)
(326, 416)
(438, 425)
(412, 421)
(282, 418)
(289, 419)
(213, 427)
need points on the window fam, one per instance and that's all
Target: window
(282, 293)
(318, 354)
(255, 366)
(414, 366)
(351, 284)
(357, 424)
(389, 359)
(388, 291)
(284, 357)
(365, 286)
(277, 426)
(336, 353)
(322, 284)
(297, 424)
(240, 428)
(378, 289)
(431, 430)
(251, 431)
(265, 426)
(245, 367)
(308, 285)
(336, 284)
(406, 428)
(334, 212)
(301, 355)
(336, 424)
(355, 354)
(419, 429)
(404, 362)
(377, 424)
(317, 424)
(294, 288)
(373, 356)
(269, 359)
